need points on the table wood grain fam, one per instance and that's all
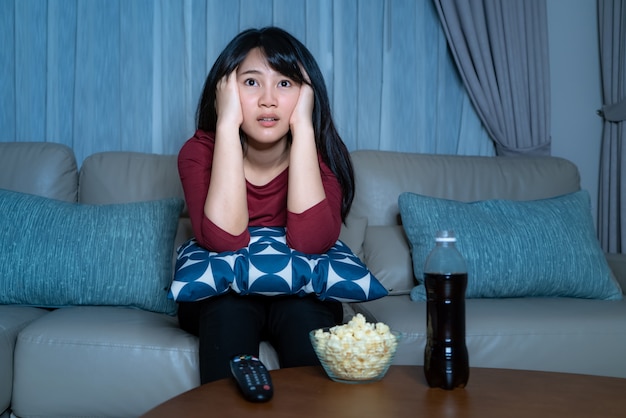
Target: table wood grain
(307, 392)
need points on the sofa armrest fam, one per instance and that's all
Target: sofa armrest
(617, 262)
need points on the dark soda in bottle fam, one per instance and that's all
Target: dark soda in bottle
(446, 360)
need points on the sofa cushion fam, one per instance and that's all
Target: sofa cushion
(381, 176)
(101, 361)
(353, 234)
(57, 253)
(544, 247)
(12, 320)
(387, 254)
(617, 262)
(267, 266)
(570, 335)
(43, 168)
(104, 179)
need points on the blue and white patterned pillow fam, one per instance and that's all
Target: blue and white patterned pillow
(269, 267)
(200, 274)
(273, 268)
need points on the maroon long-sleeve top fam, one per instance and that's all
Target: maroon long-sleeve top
(313, 231)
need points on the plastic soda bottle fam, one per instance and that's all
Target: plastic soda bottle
(446, 361)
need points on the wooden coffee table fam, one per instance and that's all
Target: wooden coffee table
(307, 392)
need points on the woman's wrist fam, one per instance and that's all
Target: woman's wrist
(304, 130)
(227, 130)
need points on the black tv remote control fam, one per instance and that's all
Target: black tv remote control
(252, 377)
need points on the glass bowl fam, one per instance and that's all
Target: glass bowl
(351, 360)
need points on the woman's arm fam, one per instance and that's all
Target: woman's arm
(313, 197)
(195, 166)
(305, 188)
(315, 230)
(226, 203)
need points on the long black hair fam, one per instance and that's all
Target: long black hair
(285, 54)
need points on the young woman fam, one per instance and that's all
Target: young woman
(265, 153)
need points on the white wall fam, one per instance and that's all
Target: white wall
(576, 89)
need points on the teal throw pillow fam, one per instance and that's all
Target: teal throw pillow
(515, 248)
(57, 254)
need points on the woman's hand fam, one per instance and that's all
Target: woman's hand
(302, 115)
(226, 204)
(227, 102)
(305, 188)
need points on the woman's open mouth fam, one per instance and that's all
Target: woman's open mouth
(268, 121)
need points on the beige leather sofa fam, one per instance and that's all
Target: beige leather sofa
(113, 361)
(552, 334)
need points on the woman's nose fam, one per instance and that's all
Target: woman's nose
(268, 97)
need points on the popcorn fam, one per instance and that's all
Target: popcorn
(357, 350)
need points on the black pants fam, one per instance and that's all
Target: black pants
(230, 324)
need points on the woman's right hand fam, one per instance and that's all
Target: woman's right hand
(226, 200)
(227, 102)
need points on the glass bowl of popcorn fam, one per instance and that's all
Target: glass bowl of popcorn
(356, 352)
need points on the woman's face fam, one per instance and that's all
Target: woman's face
(268, 99)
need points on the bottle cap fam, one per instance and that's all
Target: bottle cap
(445, 236)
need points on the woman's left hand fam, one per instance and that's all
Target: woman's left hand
(305, 187)
(302, 115)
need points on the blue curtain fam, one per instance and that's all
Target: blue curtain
(612, 194)
(501, 49)
(101, 75)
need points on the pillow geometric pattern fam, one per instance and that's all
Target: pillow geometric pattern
(200, 274)
(267, 266)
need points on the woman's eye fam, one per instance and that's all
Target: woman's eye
(285, 83)
(250, 82)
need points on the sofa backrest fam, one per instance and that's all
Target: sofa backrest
(41, 168)
(381, 176)
(124, 177)
(373, 229)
